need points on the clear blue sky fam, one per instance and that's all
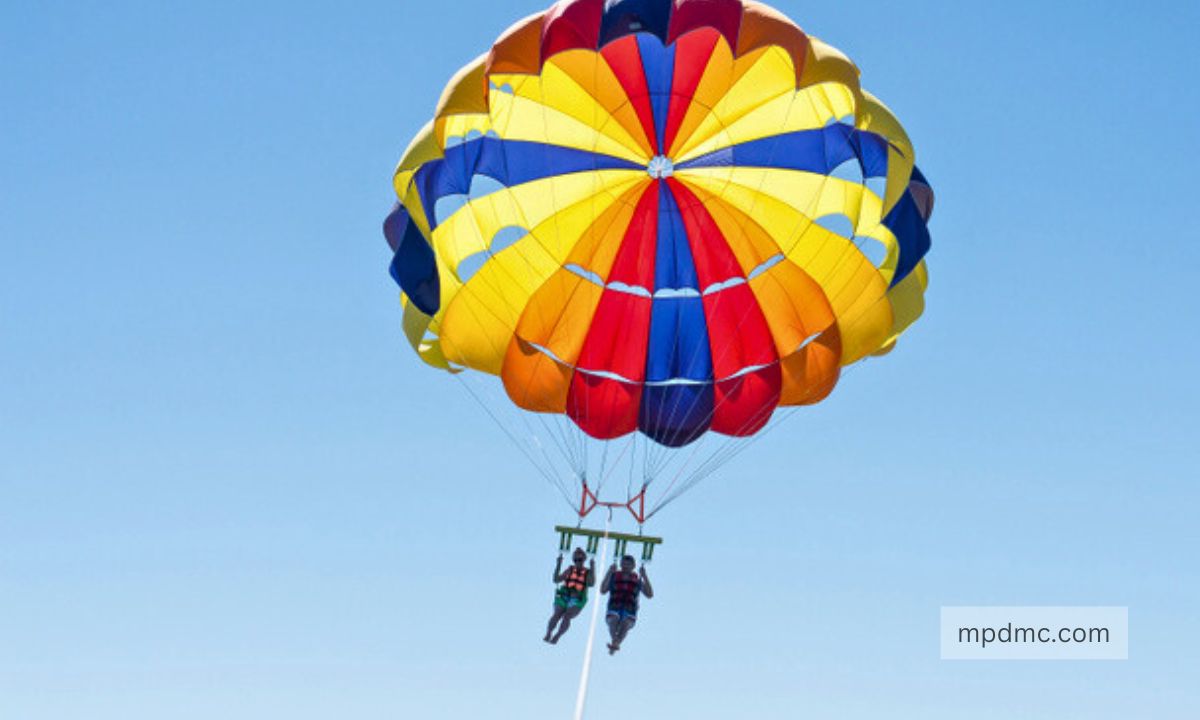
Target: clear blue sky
(229, 490)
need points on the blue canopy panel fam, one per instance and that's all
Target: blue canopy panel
(677, 399)
(413, 267)
(628, 17)
(676, 414)
(658, 64)
(508, 162)
(821, 151)
(816, 151)
(912, 235)
(871, 150)
(674, 267)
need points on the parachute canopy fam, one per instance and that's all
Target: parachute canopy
(660, 216)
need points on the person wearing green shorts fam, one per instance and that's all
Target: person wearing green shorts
(571, 595)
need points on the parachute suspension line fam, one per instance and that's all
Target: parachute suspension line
(585, 674)
(591, 497)
(571, 437)
(647, 446)
(549, 475)
(647, 449)
(682, 468)
(586, 462)
(534, 434)
(616, 463)
(581, 440)
(730, 453)
(601, 478)
(632, 465)
(661, 458)
(733, 444)
(564, 428)
(553, 430)
(731, 448)
(548, 469)
(736, 442)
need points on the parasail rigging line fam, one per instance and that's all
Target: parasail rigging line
(549, 476)
(586, 673)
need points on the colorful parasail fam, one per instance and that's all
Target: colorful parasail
(661, 218)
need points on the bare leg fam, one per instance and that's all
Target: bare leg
(613, 623)
(622, 630)
(567, 617)
(558, 615)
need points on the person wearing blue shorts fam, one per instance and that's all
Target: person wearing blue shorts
(624, 587)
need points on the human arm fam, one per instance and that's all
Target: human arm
(607, 579)
(646, 589)
(591, 578)
(558, 570)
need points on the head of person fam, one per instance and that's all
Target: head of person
(579, 556)
(628, 563)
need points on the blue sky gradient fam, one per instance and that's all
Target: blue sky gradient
(228, 488)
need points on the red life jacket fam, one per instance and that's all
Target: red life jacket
(624, 590)
(575, 580)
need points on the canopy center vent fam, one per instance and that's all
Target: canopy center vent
(661, 167)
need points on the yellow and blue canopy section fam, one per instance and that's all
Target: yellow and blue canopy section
(660, 216)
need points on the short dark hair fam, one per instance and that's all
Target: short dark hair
(630, 558)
